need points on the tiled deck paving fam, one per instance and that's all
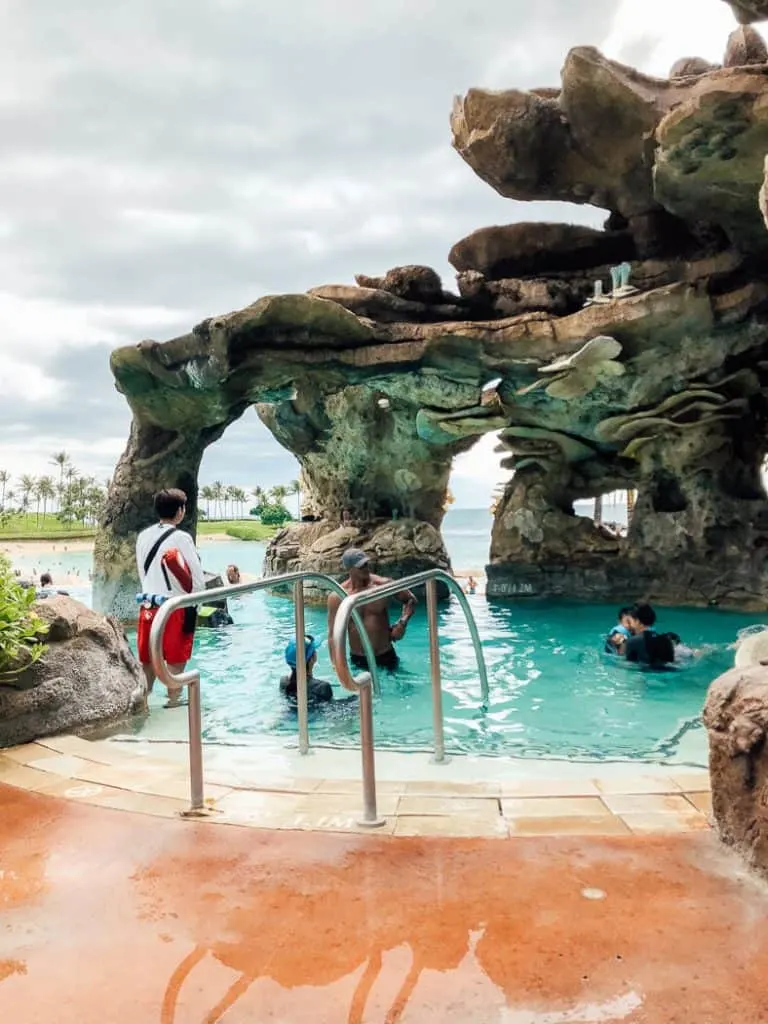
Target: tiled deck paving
(110, 917)
(112, 775)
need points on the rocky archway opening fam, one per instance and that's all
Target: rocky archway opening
(633, 357)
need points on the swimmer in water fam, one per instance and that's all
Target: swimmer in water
(682, 651)
(319, 692)
(617, 638)
(375, 615)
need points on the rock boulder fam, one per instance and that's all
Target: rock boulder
(689, 67)
(747, 11)
(415, 283)
(397, 548)
(517, 250)
(745, 46)
(709, 161)
(736, 717)
(87, 674)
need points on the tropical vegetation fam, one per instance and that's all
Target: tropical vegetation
(20, 627)
(219, 501)
(67, 503)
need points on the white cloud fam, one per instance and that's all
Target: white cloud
(157, 170)
(36, 386)
(477, 473)
(669, 29)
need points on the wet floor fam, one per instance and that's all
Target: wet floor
(109, 917)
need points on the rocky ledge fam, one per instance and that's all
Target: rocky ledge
(86, 676)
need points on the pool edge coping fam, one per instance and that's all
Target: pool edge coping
(106, 774)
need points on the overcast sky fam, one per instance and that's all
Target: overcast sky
(162, 162)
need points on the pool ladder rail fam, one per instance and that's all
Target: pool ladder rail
(364, 684)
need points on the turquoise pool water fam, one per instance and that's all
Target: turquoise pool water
(552, 693)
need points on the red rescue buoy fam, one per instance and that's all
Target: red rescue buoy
(175, 564)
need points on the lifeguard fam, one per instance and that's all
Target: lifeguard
(168, 565)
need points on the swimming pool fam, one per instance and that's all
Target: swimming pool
(552, 693)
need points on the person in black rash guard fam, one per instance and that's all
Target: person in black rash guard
(318, 691)
(646, 646)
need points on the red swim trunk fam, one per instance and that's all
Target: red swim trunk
(177, 645)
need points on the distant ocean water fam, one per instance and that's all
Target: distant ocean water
(467, 531)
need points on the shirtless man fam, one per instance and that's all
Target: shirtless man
(375, 615)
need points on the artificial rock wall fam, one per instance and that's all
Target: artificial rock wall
(655, 378)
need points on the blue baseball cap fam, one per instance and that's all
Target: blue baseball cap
(354, 558)
(310, 647)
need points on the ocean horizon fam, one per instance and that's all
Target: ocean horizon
(467, 531)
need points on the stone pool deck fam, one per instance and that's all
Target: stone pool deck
(110, 917)
(243, 789)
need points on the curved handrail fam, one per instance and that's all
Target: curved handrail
(430, 577)
(191, 678)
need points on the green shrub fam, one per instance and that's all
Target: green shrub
(20, 627)
(275, 515)
(250, 531)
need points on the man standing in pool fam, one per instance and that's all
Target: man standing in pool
(375, 616)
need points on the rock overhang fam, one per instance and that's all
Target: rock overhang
(594, 381)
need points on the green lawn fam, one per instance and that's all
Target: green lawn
(48, 527)
(238, 528)
(45, 527)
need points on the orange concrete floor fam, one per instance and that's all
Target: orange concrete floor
(109, 917)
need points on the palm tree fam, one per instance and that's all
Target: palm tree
(241, 497)
(231, 494)
(217, 490)
(46, 490)
(93, 501)
(294, 487)
(206, 495)
(38, 498)
(5, 477)
(279, 493)
(60, 459)
(27, 487)
(259, 495)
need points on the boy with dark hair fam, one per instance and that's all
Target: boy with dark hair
(163, 555)
(645, 646)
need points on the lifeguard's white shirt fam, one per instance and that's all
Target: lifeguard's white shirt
(153, 581)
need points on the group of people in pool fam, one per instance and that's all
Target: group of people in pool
(375, 619)
(635, 639)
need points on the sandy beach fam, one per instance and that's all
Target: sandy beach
(59, 550)
(25, 548)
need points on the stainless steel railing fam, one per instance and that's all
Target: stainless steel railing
(191, 678)
(346, 612)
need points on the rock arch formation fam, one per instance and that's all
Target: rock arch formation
(657, 379)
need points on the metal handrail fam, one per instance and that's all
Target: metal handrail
(191, 678)
(347, 610)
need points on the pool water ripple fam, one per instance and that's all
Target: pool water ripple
(553, 693)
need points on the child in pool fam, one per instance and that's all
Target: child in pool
(682, 651)
(614, 642)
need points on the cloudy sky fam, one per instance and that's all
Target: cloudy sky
(162, 162)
